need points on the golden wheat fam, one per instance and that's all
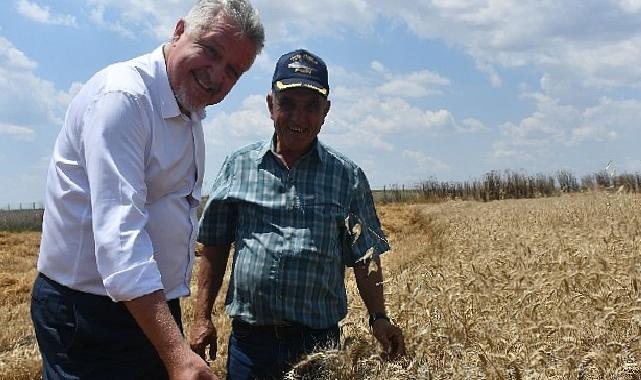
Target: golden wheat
(517, 289)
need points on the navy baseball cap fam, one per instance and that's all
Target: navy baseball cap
(300, 68)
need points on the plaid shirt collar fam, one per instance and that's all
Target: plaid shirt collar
(317, 150)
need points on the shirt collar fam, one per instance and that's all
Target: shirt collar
(317, 150)
(168, 104)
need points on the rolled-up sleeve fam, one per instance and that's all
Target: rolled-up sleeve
(365, 235)
(114, 144)
(218, 222)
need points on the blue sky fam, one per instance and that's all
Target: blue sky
(449, 89)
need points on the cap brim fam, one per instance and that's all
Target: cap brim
(287, 84)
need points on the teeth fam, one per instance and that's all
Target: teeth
(296, 130)
(203, 85)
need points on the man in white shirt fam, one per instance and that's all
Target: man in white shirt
(123, 187)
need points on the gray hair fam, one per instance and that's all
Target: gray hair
(241, 12)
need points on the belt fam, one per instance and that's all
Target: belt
(282, 329)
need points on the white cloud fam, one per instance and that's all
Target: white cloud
(393, 115)
(356, 107)
(248, 124)
(413, 85)
(606, 120)
(296, 21)
(347, 138)
(590, 43)
(594, 133)
(491, 73)
(502, 151)
(284, 21)
(630, 6)
(17, 132)
(13, 59)
(554, 127)
(41, 14)
(409, 85)
(423, 163)
(378, 67)
(584, 43)
(471, 125)
(27, 102)
(97, 15)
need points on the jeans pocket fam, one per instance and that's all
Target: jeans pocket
(241, 331)
(53, 315)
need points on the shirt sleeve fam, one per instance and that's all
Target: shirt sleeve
(218, 222)
(114, 142)
(365, 237)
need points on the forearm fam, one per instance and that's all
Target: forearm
(211, 272)
(154, 318)
(370, 287)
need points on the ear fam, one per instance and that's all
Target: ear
(270, 105)
(180, 29)
(328, 105)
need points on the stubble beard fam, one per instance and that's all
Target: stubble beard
(183, 100)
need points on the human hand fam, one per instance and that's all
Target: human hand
(191, 367)
(201, 335)
(390, 337)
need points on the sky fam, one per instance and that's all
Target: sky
(422, 89)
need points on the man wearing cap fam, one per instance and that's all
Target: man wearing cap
(298, 213)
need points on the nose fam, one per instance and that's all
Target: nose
(298, 115)
(216, 75)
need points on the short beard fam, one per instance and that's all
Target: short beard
(183, 100)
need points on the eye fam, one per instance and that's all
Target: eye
(312, 107)
(232, 72)
(210, 51)
(285, 105)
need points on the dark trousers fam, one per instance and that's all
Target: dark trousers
(267, 352)
(85, 336)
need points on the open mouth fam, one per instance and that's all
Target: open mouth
(210, 90)
(295, 130)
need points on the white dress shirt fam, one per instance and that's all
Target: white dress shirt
(123, 186)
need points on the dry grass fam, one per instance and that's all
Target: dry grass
(527, 289)
(19, 357)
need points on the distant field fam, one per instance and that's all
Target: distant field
(21, 220)
(515, 289)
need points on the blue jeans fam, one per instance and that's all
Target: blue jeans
(267, 352)
(85, 336)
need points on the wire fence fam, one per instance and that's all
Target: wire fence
(492, 186)
(22, 206)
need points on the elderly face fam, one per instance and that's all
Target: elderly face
(203, 66)
(298, 115)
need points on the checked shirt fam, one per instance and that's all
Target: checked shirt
(294, 231)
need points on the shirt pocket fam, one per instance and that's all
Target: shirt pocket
(325, 219)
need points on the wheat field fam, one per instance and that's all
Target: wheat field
(515, 289)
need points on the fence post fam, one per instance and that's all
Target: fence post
(384, 195)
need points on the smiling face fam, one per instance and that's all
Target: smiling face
(203, 66)
(298, 115)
